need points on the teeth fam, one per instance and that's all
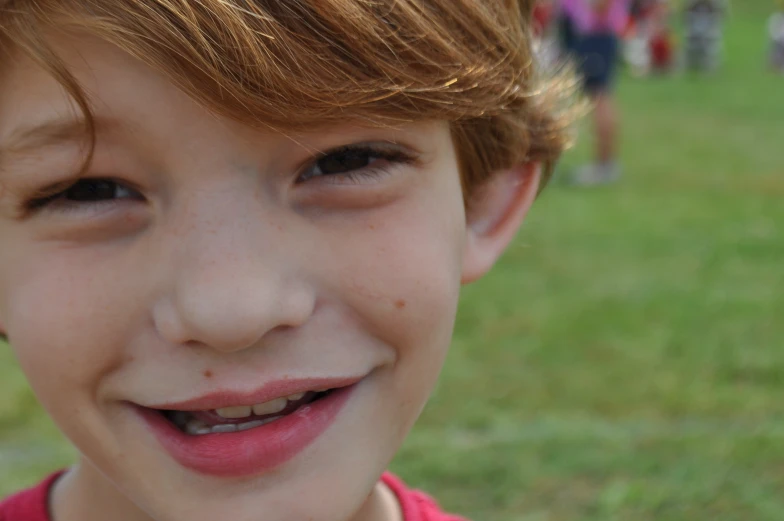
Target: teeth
(240, 411)
(265, 421)
(243, 411)
(195, 427)
(250, 425)
(224, 427)
(257, 423)
(271, 407)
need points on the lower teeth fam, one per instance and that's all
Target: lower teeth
(196, 427)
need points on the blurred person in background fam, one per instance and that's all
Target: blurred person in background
(776, 31)
(649, 44)
(703, 34)
(591, 31)
(662, 42)
(545, 44)
(542, 15)
(636, 47)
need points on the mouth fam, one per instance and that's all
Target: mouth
(237, 418)
(229, 434)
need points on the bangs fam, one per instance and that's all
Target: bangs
(290, 64)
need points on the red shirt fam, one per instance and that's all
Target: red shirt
(32, 504)
(29, 505)
(416, 505)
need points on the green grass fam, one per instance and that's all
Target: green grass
(624, 361)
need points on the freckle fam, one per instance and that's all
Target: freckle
(372, 226)
(208, 374)
(400, 304)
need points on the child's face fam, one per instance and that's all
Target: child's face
(206, 265)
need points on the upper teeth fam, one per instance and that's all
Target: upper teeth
(260, 409)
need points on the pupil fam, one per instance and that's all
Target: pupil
(92, 191)
(344, 162)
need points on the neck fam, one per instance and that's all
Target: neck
(382, 505)
(84, 494)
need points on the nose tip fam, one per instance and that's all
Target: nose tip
(231, 318)
(227, 276)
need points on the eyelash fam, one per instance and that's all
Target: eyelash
(56, 195)
(387, 155)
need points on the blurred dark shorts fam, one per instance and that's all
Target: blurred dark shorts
(595, 54)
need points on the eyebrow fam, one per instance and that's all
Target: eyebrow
(46, 134)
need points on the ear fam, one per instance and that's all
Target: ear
(494, 216)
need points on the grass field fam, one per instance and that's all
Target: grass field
(625, 361)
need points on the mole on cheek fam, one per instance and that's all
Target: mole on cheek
(400, 303)
(207, 374)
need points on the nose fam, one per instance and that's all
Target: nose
(231, 281)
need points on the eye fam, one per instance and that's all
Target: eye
(357, 161)
(344, 161)
(85, 192)
(91, 190)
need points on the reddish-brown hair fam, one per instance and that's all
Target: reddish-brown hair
(287, 64)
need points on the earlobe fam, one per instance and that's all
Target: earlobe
(495, 216)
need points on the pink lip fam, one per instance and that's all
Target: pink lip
(257, 450)
(270, 391)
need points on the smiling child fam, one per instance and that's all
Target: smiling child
(234, 234)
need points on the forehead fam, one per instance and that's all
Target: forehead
(126, 97)
(132, 104)
(117, 87)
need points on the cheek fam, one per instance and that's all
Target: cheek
(396, 273)
(66, 313)
(399, 270)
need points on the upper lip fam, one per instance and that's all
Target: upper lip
(269, 391)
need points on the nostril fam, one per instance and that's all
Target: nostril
(281, 329)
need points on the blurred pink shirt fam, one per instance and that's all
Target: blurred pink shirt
(583, 15)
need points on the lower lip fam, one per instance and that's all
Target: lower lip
(245, 453)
